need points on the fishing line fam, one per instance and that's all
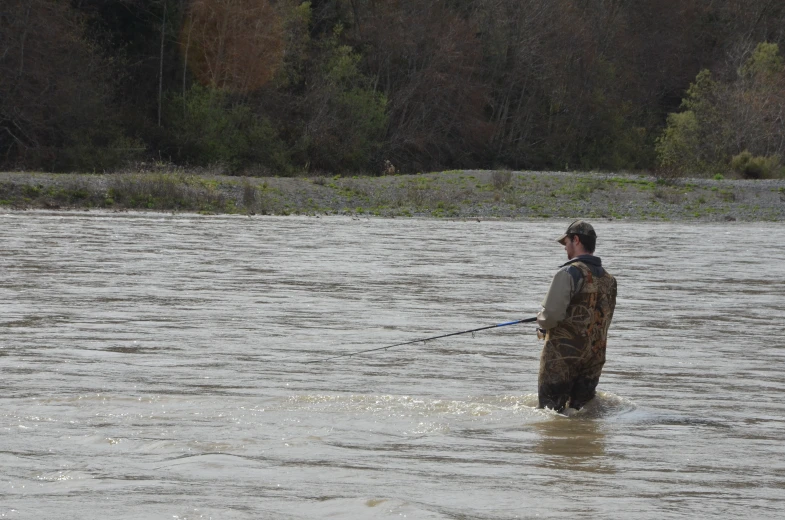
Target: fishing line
(422, 340)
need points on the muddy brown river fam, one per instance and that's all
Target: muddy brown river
(158, 366)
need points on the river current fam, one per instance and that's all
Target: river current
(157, 366)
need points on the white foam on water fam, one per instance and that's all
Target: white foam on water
(370, 508)
(604, 405)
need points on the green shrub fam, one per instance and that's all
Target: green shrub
(695, 139)
(87, 153)
(362, 112)
(750, 167)
(208, 128)
(348, 114)
(676, 147)
(765, 61)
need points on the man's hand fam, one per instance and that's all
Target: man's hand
(541, 333)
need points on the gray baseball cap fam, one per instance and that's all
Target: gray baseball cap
(579, 227)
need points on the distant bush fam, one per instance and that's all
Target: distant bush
(87, 153)
(360, 114)
(750, 167)
(501, 179)
(694, 139)
(208, 128)
(348, 116)
(677, 145)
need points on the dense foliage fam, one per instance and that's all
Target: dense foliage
(283, 86)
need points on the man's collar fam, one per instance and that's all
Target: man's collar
(586, 259)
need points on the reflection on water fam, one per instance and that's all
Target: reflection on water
(153, 366)
(571, 444)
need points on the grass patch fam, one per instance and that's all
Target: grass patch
(668, 195)
(642, 184)
(580, 189)
(727, 195)
(168, 192)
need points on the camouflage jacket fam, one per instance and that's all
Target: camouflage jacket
(581, 282)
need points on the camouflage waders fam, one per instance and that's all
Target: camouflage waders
(574, 351)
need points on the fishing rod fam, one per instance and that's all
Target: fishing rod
(527, 320)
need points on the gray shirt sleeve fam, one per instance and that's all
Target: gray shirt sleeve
(554, 306)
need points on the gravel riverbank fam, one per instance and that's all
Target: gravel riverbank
(453, 194)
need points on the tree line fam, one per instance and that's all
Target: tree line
(284, 86)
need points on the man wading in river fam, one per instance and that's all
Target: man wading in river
(574, 321)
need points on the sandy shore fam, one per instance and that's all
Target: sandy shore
(451, 194)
